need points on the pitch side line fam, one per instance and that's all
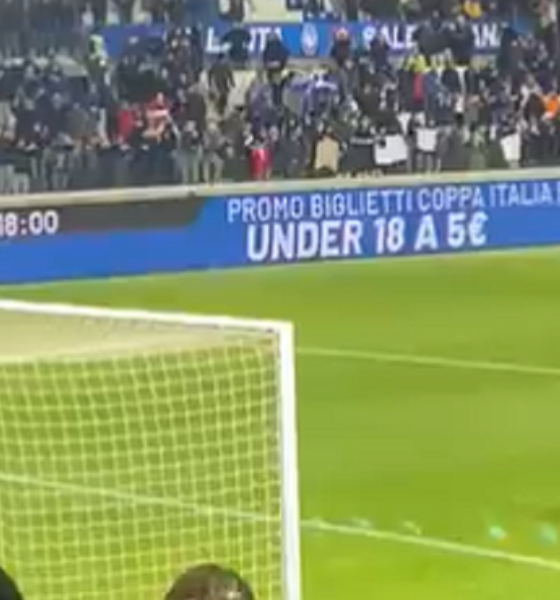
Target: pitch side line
(433, 544)
(317, 525)
(428, 361)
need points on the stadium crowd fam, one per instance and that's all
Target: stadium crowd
(415, 9)
(71, 118)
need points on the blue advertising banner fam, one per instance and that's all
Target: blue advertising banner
(306, 40)
(268, 229)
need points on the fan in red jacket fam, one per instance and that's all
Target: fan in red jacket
(259, 158)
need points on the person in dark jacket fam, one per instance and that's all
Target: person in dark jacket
(462, 42)
(8, 587)
(222, 82)
(361, 151)
(431, 38)
(275, 55)
(342, 51)
(237, 39)
(451, 78)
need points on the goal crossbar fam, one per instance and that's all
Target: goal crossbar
(132, 314)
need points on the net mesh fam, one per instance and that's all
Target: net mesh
(129, 450)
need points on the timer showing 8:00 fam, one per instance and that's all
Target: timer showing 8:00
(29, 223)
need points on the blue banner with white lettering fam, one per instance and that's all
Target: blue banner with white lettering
(306, 40)
(268, 229)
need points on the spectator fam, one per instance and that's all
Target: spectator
(315, 8)
(210, 582)
(450, 77)
(432, 38)
(99, 11)
(216, 152)
(461, 42)
(236, 11)
(275, 55)
(289, 152)
(8, 587)
(342, 51)
(196, 106)
(12, 31)
(379, 50)
(259, 153)
(221, 82)
(352, 9)
(171, 12)
(174, 12)
(190, 153)
(237, 41)
(156, 10)
(361, 155)
(472, 9)
(157, 111)
(326, 159)
(126, 10)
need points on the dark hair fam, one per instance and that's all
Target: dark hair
(210, 582)
(8, 587)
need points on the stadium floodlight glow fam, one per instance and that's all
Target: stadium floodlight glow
(134, 443)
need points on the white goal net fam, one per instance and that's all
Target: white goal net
(135, 444)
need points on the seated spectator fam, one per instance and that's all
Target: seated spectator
(210, 582)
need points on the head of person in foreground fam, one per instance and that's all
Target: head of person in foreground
(210, 582)
(8, 587)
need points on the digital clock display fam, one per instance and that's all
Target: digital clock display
(32, 223)
(23, 222)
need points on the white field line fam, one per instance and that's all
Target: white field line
(317, 525)
(428, 361)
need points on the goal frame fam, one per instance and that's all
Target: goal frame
(288, 461)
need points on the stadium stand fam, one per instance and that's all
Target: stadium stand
(162, 111)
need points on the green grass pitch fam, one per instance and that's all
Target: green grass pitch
(442, 450)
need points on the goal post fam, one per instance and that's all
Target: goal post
(135, 443)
